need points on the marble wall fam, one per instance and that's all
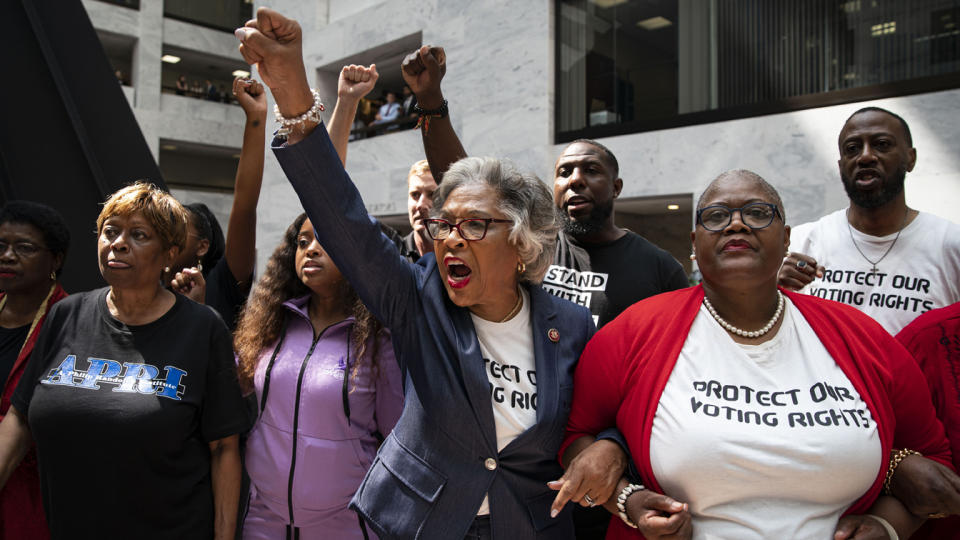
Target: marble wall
(500, 85)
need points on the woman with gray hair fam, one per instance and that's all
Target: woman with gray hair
(488, 355)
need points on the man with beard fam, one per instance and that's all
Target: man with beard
(597, 264)
(890, 261)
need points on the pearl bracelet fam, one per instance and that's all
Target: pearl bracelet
(628, 490)
(287, 124)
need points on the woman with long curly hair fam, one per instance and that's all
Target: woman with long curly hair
(327, 386)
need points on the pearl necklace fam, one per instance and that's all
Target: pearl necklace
(755, 334)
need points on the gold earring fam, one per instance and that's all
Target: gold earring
(200, 265)
(521, 268)
(53, 275)
(693, 256)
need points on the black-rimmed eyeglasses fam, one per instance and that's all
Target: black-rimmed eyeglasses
(470, 229)
(757, 215)
(22, 249)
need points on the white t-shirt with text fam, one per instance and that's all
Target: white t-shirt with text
(508, 360)
(921, 272)
(763, 441)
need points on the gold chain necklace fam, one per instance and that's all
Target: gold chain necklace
(516, 308)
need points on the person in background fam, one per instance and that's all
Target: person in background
(209, 270)
(33, 245)
(182, 86)
(420, 189)
(324, 371)
(934, 341)
(389, 111)
(879, 255)
(409, 104)
(210, 92)
(138, 384)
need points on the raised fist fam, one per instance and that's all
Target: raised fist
(275, 44)
(422, 71)
(356, 81)
(250, 95)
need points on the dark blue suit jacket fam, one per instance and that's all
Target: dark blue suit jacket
(433, 470)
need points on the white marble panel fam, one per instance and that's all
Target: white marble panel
(113, 18)
(199, 38)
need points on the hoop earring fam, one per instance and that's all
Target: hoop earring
(521, 267)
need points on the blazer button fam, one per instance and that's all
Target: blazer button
(490, 464)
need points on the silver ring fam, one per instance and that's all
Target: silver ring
(590, 500)
(801, 264)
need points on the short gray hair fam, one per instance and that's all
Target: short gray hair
(523, 197)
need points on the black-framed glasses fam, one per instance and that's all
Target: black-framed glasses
(22, 249)
(469, 229)
(758, 215)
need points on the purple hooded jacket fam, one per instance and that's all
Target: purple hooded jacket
(306, 481)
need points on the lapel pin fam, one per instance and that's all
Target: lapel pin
(553, 334)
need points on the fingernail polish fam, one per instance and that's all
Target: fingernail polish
(553, 513)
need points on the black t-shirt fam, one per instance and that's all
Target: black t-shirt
(11, 341)
(122, 417)
(224, 294)
(614, 276)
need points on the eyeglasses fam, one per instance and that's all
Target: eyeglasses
(22, 249)
(470, 229)
(754, 215)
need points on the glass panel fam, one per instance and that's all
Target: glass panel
(646, 63)
(218, 14)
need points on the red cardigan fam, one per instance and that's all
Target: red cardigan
(934, 340)
(21, 505)
(625, 367)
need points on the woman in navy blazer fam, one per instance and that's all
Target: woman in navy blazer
(456, 449)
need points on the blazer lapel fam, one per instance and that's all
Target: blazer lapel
(475, 381)
(542, 315)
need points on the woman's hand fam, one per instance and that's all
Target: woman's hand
(659, 517)
(926, 487)
(356, 81)
(593, 472)
(422, 70)
(860, 527)
(190, 283)
(252, 98)
(275, 44)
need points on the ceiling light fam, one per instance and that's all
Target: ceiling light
(607, 3)
(168, 147)
(654, 23)
(673, 207)
(241, 73)
(170, 59)
(883, 28)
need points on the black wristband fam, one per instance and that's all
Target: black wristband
(440, 112)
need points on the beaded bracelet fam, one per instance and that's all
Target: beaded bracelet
(427, 114)
(895, 458)
(627, 490)
(288, 124)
